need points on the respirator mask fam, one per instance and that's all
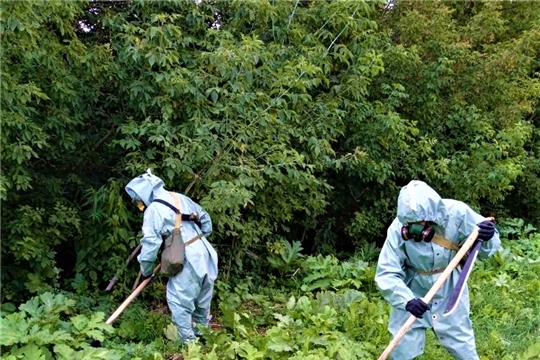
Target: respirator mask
(140, 204)
(418, 232)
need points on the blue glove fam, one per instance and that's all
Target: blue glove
(487, 230)
(417, 307)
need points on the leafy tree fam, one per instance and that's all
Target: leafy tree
(52, 130)
(248, 112)
(290, 122)
(464, 94)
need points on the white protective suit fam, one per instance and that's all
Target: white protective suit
(399, 282)
(189, 293)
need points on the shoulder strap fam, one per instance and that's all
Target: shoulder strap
(445, 243)
(167, 204)
(178, 222)
(194, 239)
(184, 217)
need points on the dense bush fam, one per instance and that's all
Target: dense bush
(290, 122)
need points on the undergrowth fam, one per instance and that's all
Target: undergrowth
(320, 308)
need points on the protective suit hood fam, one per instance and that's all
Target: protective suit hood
(417, 201)
(146, 187)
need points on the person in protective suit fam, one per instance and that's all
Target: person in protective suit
(410, 263)
(189, 293)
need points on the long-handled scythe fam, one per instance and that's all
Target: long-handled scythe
(131, 297)
(431, 293)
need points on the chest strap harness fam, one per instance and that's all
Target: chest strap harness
(443, 242)
(185, 217)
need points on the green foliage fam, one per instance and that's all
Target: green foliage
(245, 297)
(41, 329)
(326, 272)
(236, 126)
(509, 290)
(288, 121)
(515, 229)
(53, 121)
(294, 124)
(258, 322)
(107, 231)
(305, 328)
(532, 352)
(504, 306)
(34, 237)
(286, 257)
(347, 320)
(139, 325)
(480, 127)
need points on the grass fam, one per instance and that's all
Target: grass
(505, 310)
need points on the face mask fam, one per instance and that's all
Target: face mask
(417, 232)
(140, 205)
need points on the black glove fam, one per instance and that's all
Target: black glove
(143, 277)
(195, 218)
(417, 307)
(487, 230)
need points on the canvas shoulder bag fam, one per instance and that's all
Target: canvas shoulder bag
(172, 256)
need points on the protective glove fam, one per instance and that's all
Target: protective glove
(487, 230)
(417, 307)
(144, 277)
(195, 218)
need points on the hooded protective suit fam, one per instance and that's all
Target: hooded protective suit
(399, 282)
(189, 293)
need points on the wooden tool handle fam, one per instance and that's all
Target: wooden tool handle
(136, 283)
(130, 298)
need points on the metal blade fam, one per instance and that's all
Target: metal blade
(453, 300)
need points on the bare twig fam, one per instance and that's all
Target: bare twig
(111, 130)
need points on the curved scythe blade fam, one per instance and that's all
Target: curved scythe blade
(453, 300)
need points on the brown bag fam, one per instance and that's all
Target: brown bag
(172, 256)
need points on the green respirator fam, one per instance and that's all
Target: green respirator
(417, 232)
